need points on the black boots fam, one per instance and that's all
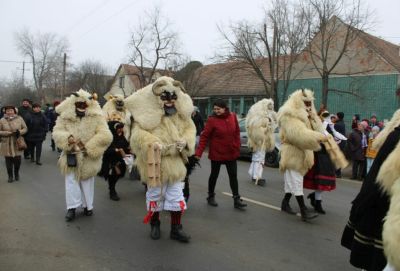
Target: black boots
(155, 232)
(211, 200)
(87, 212)
(316, 203)
(70, 215)
(311, 196)
(260, 182)
(307, 214)
(238, 203)
(318, 207)
(114, 196)
(285, 207)
(178, 234)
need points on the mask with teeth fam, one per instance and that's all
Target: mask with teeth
(80, 108)
(169, 98)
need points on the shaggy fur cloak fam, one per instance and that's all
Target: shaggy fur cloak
(260, 126)
(92, 130)
(300, 133)
(110, 112)
(151, 125)
(389, 180)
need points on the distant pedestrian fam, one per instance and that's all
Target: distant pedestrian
(357, 142)
(371, 152)
(12, 126)
(198, 122)
(37, 129)
(340, 127)
(24, 111)
(354, 122)
(222, 134)
(52, 118)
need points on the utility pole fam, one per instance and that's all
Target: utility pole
(23, 74)
(64, 74)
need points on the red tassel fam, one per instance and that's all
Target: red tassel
(182, 205)
(150, 213)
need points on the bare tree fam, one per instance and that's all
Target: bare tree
(332, 26)
(153, 45)
(45, 52)
(269, 49)
(13, 91)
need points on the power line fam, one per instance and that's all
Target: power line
(108, 18)
(14, 61)
(86, 16)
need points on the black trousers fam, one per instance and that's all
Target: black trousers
(231, 167)
(13, 164)
(32, 145)
(112, 181)
(358, 170)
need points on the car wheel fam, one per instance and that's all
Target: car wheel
(272, 158)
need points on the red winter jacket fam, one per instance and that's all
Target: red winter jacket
(223, 135)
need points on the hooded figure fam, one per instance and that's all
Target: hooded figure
(162, 138)
(115, 107)
(260, 126)
(373, 229)
(82, 133)
(301, 133)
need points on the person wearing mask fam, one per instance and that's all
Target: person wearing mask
(37, 125)
(12, 126)
(222, 134)
(113, 167)
(24, 111)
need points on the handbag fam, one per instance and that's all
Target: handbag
(71, 160)
(21, 144)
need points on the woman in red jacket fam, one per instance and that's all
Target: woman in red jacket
(222, 133)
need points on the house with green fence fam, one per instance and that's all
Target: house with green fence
(366, 81)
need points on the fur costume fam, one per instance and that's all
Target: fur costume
(91, 130)
(389, 180)
(151, 125)
(301, 132)
(260, 126)
(114, 110)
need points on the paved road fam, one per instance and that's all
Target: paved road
(34, 235)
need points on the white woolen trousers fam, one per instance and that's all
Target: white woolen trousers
(293, 182)
(257, 164)
(169, 197)
(79, 193)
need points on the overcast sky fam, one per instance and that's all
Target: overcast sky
(99, 29)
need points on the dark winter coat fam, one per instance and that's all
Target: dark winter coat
(356, 152)
(363, 233)
(24, 112)
(223, 135)
(341, 128)
(198, 122)
(111, 157)
(37, 127)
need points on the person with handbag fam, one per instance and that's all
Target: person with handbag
(12, 127)
(37, 130)
(81, 132)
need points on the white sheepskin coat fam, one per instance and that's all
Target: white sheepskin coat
(389, 180)
(260, 126)
(151, 125)
(300, 135)
(92, 130)
(109, 109)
